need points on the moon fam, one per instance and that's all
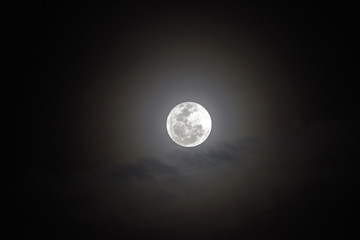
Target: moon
(188, 124)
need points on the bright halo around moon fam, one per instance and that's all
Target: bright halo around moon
(188, 124)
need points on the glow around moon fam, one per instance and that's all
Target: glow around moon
(188, 124)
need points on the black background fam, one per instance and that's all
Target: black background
(59, 48)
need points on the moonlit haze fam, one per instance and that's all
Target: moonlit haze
(183, 121)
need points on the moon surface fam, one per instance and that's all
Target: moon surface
(188, 124)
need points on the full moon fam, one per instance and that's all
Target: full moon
(188, 124)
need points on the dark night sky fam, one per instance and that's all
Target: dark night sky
(96, 83)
